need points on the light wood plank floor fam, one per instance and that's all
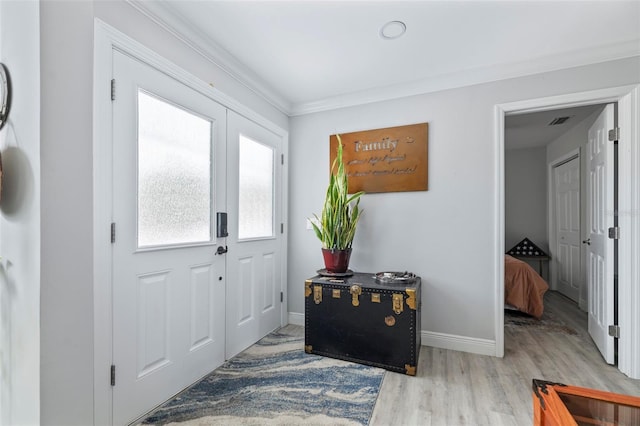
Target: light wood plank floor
(456, 388)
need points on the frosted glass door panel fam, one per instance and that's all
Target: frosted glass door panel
(255, 209)
(174, 174)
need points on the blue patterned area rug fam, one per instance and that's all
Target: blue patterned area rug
(274, 382)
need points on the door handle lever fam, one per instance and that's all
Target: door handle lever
(222, 250)
(587, 241)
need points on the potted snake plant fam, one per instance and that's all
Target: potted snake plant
(336, 226)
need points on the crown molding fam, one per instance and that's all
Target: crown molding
(172, 22)
(473, 76)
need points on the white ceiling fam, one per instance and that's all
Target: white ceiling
(533, 130)
(305, 56)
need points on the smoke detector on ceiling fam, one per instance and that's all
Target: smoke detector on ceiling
(393, 30)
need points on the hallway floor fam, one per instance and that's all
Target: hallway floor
(457, 388)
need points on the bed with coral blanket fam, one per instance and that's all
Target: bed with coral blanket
(523, 288)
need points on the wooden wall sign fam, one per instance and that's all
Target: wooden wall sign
(393, 159)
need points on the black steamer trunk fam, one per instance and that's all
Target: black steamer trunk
(368, 318)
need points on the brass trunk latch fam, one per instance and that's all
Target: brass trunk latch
(398, 303)
(355, 291)
(411, 300)
(317, 294)
(307, 288)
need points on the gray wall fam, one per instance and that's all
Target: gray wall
(67, 253)
(574, 138)
(67, 328)
(446, 234)
(20, 218)
(525, 174)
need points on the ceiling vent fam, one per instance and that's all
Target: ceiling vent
(559, 120)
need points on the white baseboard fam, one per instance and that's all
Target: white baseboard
(459, 343)
(296, 318)
(437, 340)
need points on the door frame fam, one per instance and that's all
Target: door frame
(551, 203)
(628, 99)
(106, 40)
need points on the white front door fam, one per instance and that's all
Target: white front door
(567, 218)
(168, 286)
(600, 217)
(254, 279)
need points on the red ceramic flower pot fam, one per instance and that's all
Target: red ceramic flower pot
(336, 261)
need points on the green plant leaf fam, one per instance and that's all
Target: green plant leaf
(340, 213)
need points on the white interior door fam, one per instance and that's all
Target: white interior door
(168, 286)
(600, 217)
(567, 205)
(254, 279)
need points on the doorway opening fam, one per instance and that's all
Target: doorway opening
(628, 101)
(546, 202)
